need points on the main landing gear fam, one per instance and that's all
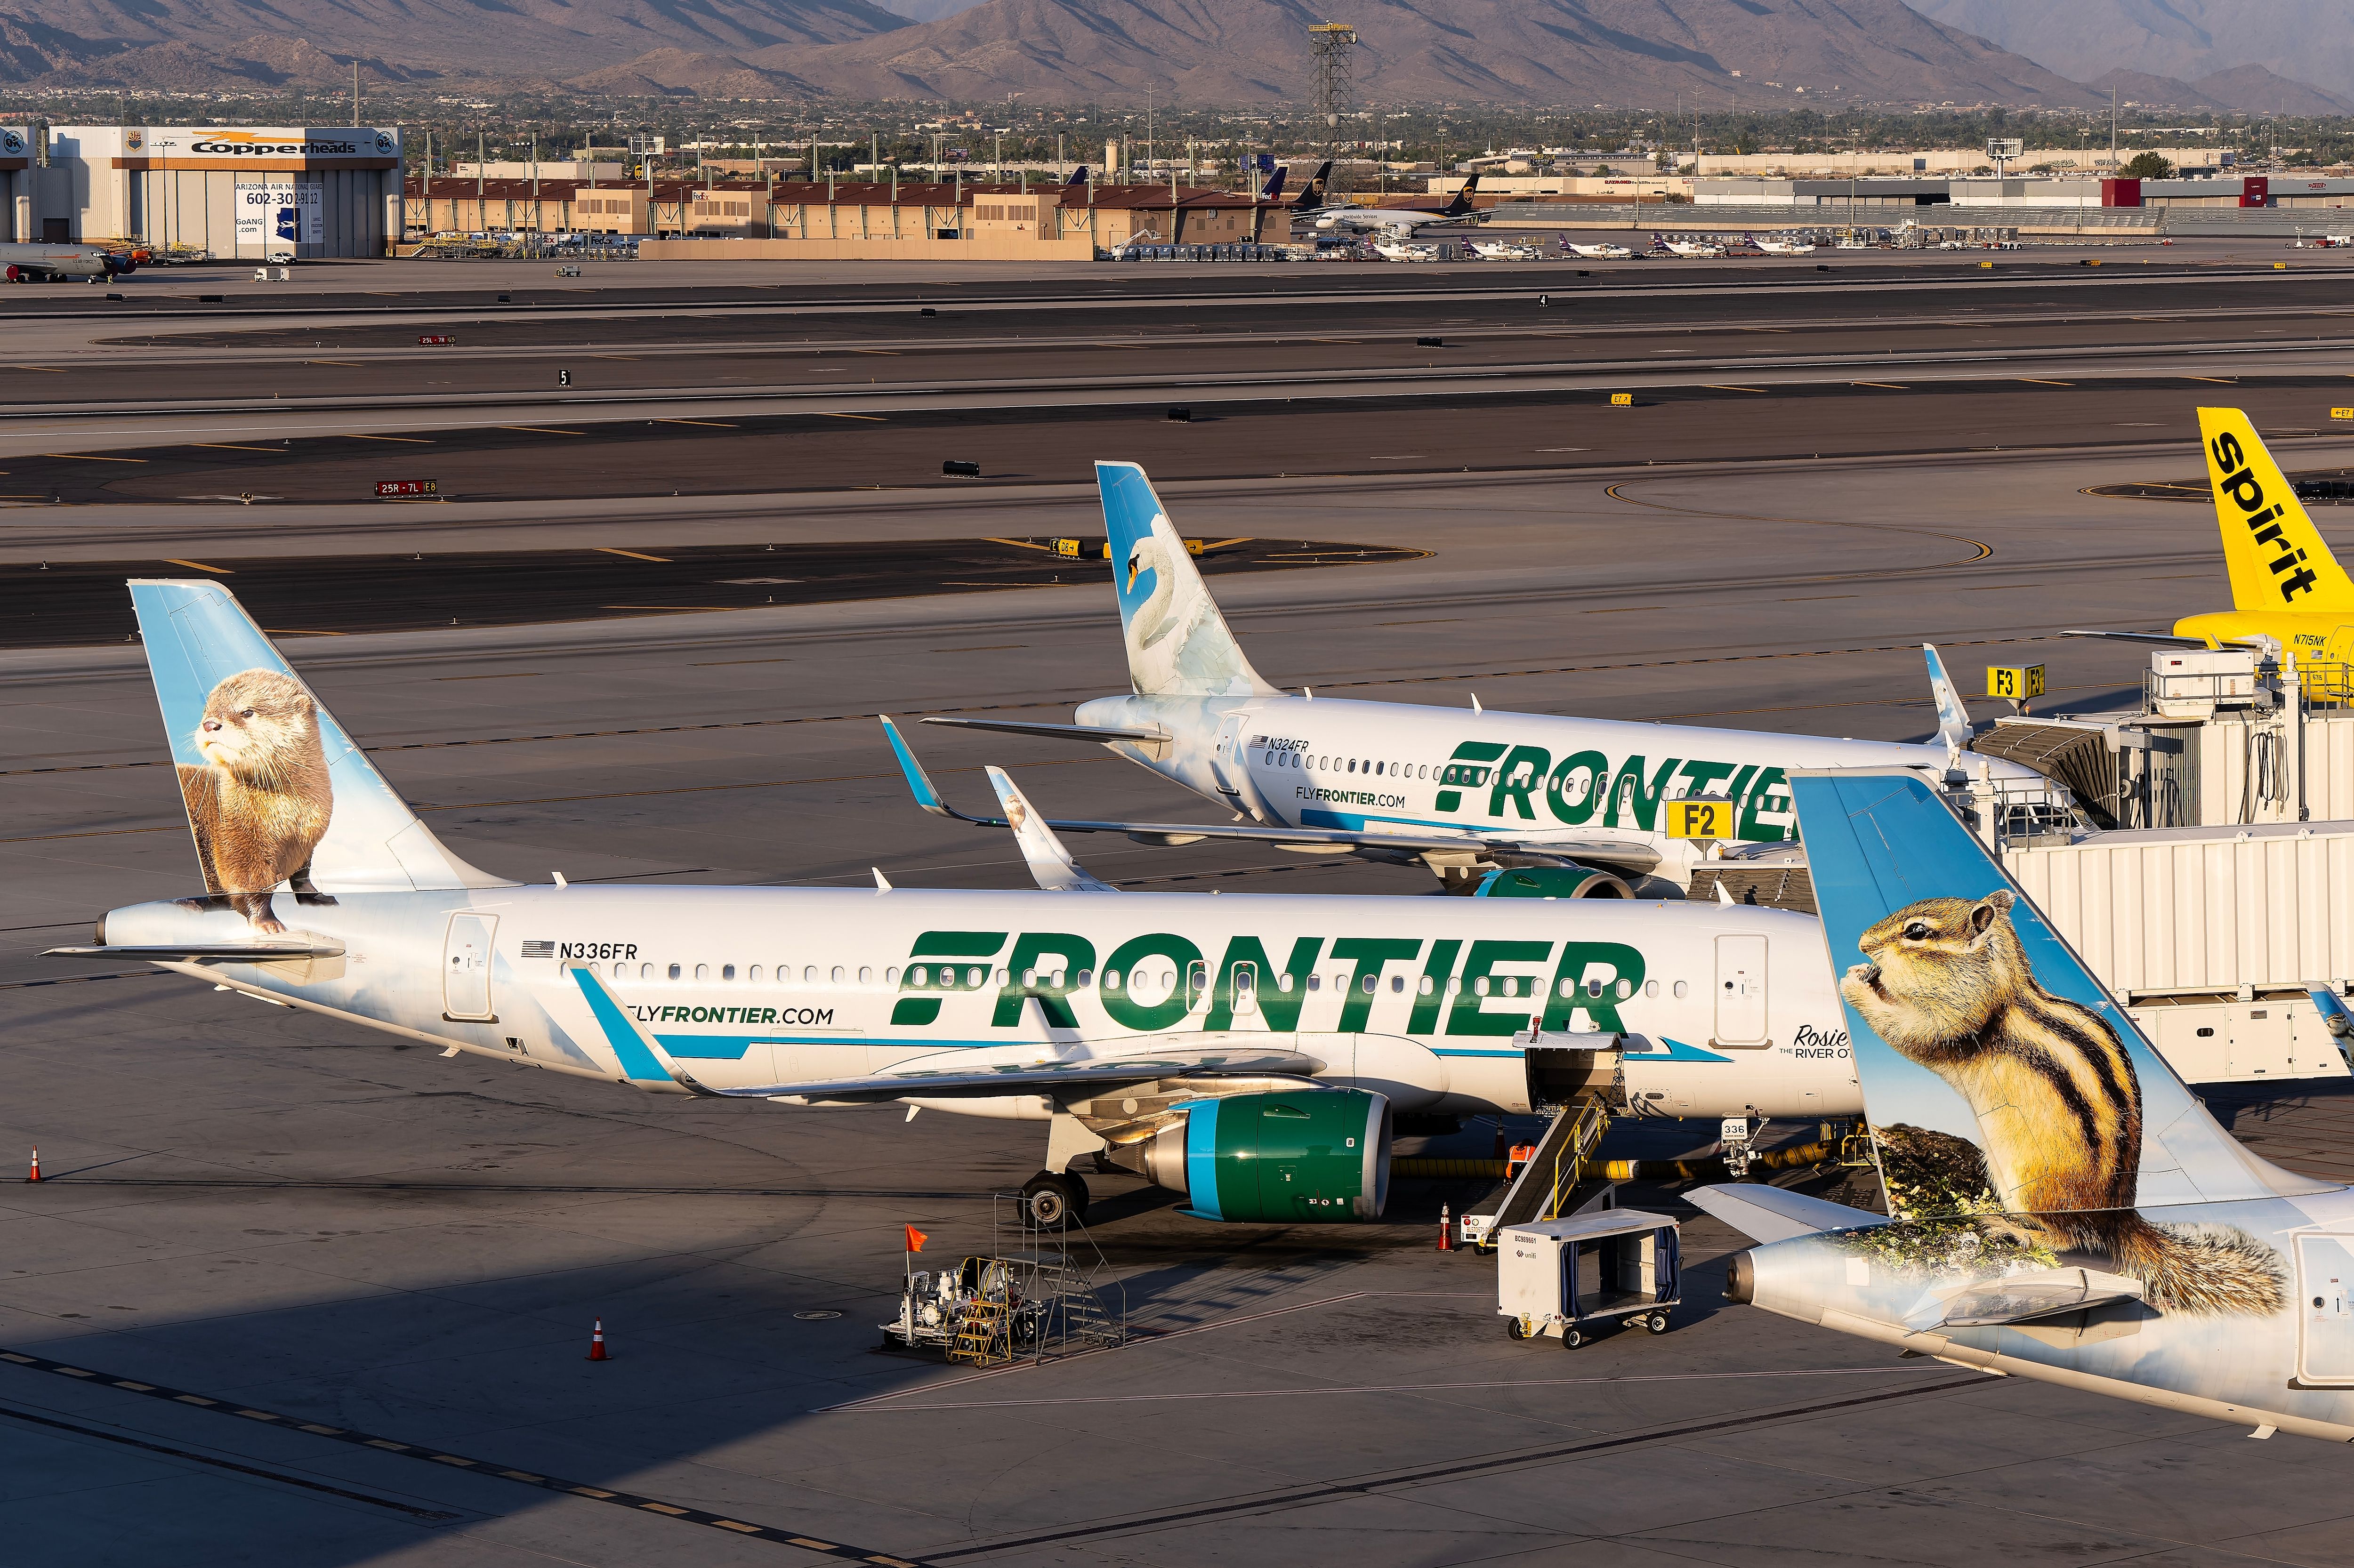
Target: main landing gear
(1052, 1201)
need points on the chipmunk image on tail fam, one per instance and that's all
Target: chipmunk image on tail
(1947, 984)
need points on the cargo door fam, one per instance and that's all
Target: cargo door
(466, 968)
(2325, 1289)
(1741, 990)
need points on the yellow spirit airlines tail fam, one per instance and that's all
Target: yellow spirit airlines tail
(2276, 557)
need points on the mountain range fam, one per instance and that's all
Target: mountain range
(2298, 43)
(1652, 54)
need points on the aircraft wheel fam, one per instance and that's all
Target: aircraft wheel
(1052, 1201)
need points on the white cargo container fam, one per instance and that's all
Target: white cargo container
(2210, 936)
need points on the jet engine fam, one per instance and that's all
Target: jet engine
(1306, 1157)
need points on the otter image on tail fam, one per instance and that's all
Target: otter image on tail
(1947, 985)
(261, 804)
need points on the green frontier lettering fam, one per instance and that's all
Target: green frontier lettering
(1468, 1016)
(1522, 769)
(1771, 794)
(918, 1011)
(1470, 751)
(1279, 1007)
(1627, 791)
(1369, 954)
(1583, 966)
(1027, 974)
(1118, 1000)
(1585, 770)
(1435, 968)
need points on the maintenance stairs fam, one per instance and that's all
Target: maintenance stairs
(984, 1334)
(1562, 1176)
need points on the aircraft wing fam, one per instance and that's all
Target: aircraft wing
(1096, 1076)
(1631, 853)
(1056, 731)
(1764, 1213)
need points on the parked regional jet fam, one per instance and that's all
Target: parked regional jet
(2062, 1208)
(63, 263)
(2287, 586)
(1779, 245)
(1247, 1051)
(1462, 791)
(1686, 248)
(1406, 217)
(1505, 250)
(1603, 252)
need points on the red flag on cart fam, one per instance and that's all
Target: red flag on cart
(916, 1239)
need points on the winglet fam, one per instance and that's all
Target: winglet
(643, 1059)
(1954, 730)
(919, 783)
(1050, 862)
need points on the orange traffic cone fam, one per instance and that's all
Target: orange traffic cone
(1446, 1229)
(35, 1174)
(596, 1342)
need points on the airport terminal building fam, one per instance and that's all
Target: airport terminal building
(246, 193)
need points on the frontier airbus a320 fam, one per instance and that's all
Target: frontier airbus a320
(1246, 1050)
(1466, 792)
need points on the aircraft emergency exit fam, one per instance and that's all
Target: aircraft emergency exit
(1249, 1050)
(2062, 1208)
(1462, 791)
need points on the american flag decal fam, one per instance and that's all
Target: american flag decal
(540, 950)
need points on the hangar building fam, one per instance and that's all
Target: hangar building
(243, 192)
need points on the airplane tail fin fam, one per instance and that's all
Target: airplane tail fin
(2276, 557)
(1078, 177)
(1993, 1064)
(1178, 644)
(1461, 204)
(1954, 731)
(1311, 195)
(277, 793)
(1274, 188)
(1051, 865)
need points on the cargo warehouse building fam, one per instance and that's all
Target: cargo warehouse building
(248, 193)
(879, 220)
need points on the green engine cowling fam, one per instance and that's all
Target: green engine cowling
(1309, 1157)
(1552, 882)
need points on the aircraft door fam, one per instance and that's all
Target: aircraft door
(2325, 1289)
(1740, 990)
(466, 968)
(1230, 765)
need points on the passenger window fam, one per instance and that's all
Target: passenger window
(919, 975)
(1479, 986)
(1594, 988)
(1030, 976)
(1111, 979)
(840, 974)
(1567, 987)
(752, 975)
(727, 972)
(1086, 976)
(1651, 988)
(1315, 983)
(620, 971)
(809, 975)
(1427, 986)
(645, 971)
(703, 972)
(865, 975)
(1283, 982)
(1455, 986)
(1000, 977)
(891, 975)
(1626, 988)
(1397, 983)
(1368, 982)
(1679, 991)
(975, 976)
(673, 972)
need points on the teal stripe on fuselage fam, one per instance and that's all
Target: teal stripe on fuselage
(619, 1033)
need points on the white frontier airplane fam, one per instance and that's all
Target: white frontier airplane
(1246, 1050)
(1464, 792)
(2065, 1209)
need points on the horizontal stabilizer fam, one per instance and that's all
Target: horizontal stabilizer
(203, 952)
(1093, 1076)
(2024, 1297)
(1056, 731)
(1765, 1213)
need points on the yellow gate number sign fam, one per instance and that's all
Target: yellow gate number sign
(2341, 413)
(1700, 820)
(1622, 399)
(2016, 683)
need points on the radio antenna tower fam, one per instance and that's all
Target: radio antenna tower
(1335, 77)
